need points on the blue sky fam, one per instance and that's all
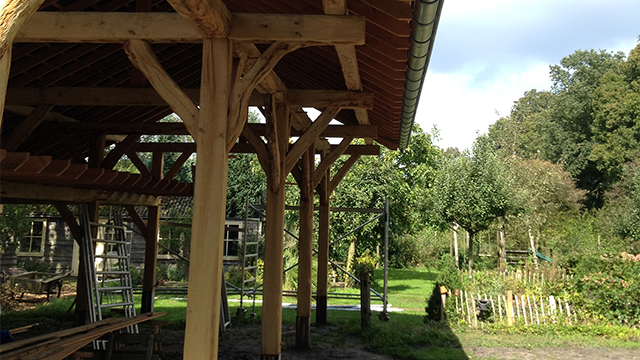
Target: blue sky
(488, 53)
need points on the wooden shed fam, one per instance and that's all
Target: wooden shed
(82, 80)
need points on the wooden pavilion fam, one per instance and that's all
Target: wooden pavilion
(82, 80)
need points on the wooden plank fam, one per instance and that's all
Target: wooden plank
(328, 98)
(396, 9)
(207, 234)
(177, 128)
(309, 137)
(142, 57)
(118, 27)
(26, 127)
(245, 148)
(328, 160)
(211, 18)
(13, 14)
(48, 193)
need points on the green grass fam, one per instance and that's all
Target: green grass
(405, 336)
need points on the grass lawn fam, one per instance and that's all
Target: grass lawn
(405, 336)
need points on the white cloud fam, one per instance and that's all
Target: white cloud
(459, 108)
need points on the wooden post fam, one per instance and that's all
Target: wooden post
(5, 66)
(598, 242)
(151, 241)
(210, 192)
(443, 309)
(509, 308)
(470, 243)
(533, 247)
(278, 138)
(305, 252)
(365, 300)
(323, 251)
(524, 310)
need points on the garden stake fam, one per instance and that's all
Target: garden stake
(475, 315)
(530, 312)
(524, 310)
(493, 308)
(499, 308)
(568, 313)
(509, 308)
(542, 307)
(535, 305)
(517, 306)
(466, 301)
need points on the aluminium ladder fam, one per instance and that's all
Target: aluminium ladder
(108, 269)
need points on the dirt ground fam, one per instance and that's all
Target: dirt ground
(242, 343)
(553, 353)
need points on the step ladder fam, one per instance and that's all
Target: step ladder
(108, 269)
(250, 244)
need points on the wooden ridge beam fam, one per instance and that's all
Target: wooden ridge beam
(118, 27)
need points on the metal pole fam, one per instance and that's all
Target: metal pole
(383, 316)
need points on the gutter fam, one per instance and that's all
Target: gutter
(426, 15)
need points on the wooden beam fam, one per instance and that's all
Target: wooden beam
(5, 67)
(178, 164)
(207, 233)
(176, 128)
(328, 98)
(305, 251)
(48, 193)
(245, 148)
(211, 18)
(337, 178)
(26, 127)
(118, 27)
(309, 137)
(51, 116)
(70, 219)
(13, 14)
(135, 159)
(259, 146)
(142, 57)
(92, 96)
(348, 60)
(323, 250)
(326, 162)
(137, 219)
(116, 153)
(151, 242)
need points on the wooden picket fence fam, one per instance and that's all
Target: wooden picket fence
(527, 308)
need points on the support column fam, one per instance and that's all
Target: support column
(207, 234)
(151, 242)
(278, 142)
(323, 250)
(5, 66)
(305, 252)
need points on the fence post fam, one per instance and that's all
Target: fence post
(509, 308)
(443, 298)
(365, 300)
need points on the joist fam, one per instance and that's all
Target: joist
(118, 27)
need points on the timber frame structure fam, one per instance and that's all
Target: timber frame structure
(82, 80)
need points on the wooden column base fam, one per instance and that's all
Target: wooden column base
(269, 357)
(303, 332)
(321, 309)
(147, 301)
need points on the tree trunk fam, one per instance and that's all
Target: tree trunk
(454, 232)
(533, 247)
(470, 239)
(502, 248)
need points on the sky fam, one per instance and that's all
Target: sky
(487, 53)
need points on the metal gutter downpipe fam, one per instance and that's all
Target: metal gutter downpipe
(426, 15)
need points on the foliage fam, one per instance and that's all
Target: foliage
(366, 263)
(622, 211)
(605, 288)
(14, 223)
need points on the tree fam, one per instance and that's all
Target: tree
(472, 190)
(622, 210)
